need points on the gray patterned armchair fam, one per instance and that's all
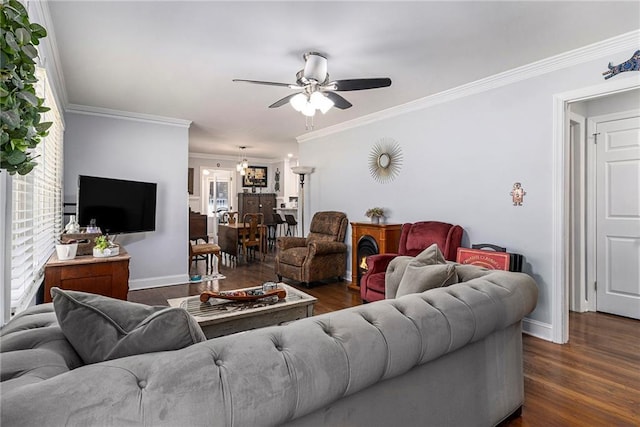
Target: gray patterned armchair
(321, 255)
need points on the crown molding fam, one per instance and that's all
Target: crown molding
(630, 40)
(126, 115)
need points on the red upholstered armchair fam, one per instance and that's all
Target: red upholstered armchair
(414, 238)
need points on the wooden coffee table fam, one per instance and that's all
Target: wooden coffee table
(220, 317)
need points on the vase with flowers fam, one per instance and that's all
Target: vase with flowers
(375, 214)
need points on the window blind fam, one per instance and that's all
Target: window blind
(36, 221)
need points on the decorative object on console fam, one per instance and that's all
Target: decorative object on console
(517, 194)
(385, 160)
(67, 250)
(302, 171)
(632, 64)
(72, 226)
(104, 247)
(375, 214)
(84, 238)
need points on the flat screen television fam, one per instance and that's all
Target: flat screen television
(118, 206)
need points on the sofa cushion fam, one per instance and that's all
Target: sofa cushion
(34, 349)
(101, 328)
(431, 255)
(427, 270)
(294, 256)
(418, 279)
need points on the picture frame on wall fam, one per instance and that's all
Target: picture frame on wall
(255, 176)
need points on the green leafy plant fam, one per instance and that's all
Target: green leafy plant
(102, 243)
(374, 212)
(20, 107)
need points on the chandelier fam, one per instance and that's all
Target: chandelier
(243, 163)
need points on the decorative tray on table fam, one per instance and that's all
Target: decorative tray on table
(250, 294)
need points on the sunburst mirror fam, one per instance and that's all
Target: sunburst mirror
(385, 160)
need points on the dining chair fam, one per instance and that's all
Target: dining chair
(250, 236)
(230, 217)
(199, 246)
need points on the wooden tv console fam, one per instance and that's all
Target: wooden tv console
(104, 276)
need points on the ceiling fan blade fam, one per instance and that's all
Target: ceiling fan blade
(281, 102)
(338, 101)
(259, 82)
(361, 84)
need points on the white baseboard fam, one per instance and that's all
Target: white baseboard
(537, 329)
(156, 282)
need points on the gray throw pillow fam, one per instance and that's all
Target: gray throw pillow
(419, 278)
(431, 255)
(101, 328)
(427, 270)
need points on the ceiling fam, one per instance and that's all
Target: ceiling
(178, 58)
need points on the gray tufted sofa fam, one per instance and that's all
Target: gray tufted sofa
(445, 357)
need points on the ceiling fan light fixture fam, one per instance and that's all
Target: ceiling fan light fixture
(321, 102)
(298, 102)
(308, 110)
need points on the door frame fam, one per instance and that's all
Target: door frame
(562, 183)
(579, 214)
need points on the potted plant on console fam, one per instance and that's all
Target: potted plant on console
(104, 247)
(375, 214)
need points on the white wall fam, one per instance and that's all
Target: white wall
(625, 101)
(139, 150)
(461, 158)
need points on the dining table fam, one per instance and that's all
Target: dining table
(229, 239)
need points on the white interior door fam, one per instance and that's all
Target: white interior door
(618, 217)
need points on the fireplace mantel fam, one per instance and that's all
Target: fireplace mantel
(387, 236)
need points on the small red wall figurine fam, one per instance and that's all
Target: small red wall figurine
(517, 194)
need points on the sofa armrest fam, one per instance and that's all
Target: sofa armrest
(285, 243)
(323, 248)
(379, 263)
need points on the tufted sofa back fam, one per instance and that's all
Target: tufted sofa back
(273, 375)
(34, 349)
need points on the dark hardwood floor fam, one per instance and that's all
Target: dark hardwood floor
(594, 380)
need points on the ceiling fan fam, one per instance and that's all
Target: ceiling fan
(317, 91)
